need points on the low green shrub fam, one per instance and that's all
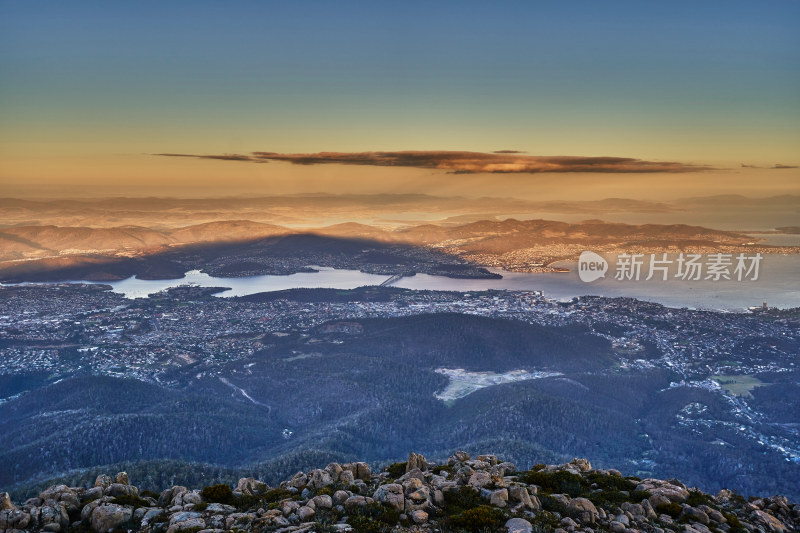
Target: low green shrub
(245, 502)
(379, 512)
(220, 493)
(442, 468)
(456, 501)
(698, 498)
(130, 499)
(552, 505)
(365, 524)
(734, 522)
(278, 494)
(672, 509)
(560, 482)
(479, 519)
(396, 469)
(608, 482)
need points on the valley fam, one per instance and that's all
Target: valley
(266, 382)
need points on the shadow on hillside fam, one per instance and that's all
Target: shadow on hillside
(276, 255)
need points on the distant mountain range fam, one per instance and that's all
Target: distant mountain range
(486, 235)
(730, 212)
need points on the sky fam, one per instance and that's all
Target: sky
(90, 92)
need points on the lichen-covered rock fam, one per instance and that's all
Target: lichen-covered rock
(416, 460)
(419, 516)
(582, 509)
(319, 479)
(335, 470)
(14, 519)
(695, 515)
(103, 480)
(499, 498)
(305, 513)
(769, 522)
(118, 489)
(672, 492)
(5, 501)
(391, 494)
(106, 517)
(355, 501)
(251, 486)
(193, 524)
(323, 501)
(519, 525)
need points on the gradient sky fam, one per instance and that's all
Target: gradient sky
(89, 89)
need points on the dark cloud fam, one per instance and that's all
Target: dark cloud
(224, 157)
(509, 152)
(468, 162)
(777, 166)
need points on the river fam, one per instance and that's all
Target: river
(778, 284)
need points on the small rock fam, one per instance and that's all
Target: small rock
(288, 507)
(108, 516)
(305, 513)
(299, 481)
(103, 480)
(412, 484)
(335, 470)
(363, 472)
(695, 515)
(419, 516)
(617, 527)
(346, 477)
(568, 522)
(392, 494)
(416, 461)
(340, 496)
(319, 478)
(421, 494)
(519, 525)
(118, 489)
(220, 508)
(183, 516)
(323, 501)
(479, 479)
(583, 509)
(499, 498)
(5, 502)
(355, 501)
(251, 486)
(770, 522)
(671, 491)
(192, 523)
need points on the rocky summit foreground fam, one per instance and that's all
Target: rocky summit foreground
(463, 494)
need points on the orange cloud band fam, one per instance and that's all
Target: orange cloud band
(465, 162)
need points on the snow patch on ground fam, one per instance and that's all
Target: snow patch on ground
(463, 382)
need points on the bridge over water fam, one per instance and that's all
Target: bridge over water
(390, 281)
